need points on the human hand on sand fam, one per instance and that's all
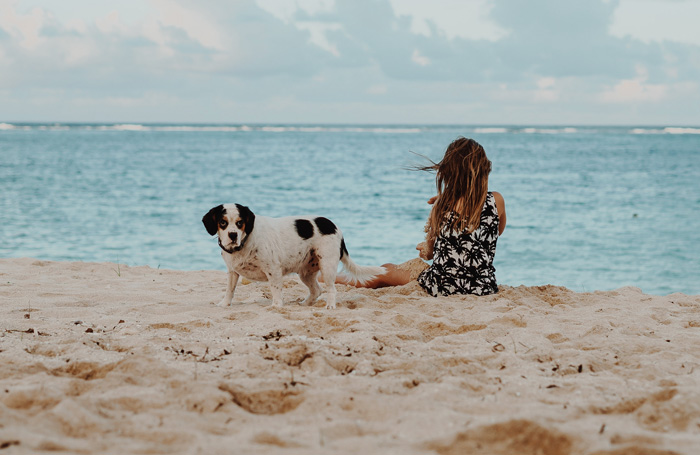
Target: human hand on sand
(423, 251)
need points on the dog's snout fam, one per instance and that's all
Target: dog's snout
(233, 236)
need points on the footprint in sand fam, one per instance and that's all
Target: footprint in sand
(523, 437)
(266, 401)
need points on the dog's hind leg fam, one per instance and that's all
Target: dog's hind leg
(329, 269)
(309, 279)
(230, 288)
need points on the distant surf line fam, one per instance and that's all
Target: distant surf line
(372, 129)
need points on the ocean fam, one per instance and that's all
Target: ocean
(589, 208)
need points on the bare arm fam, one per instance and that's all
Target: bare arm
(425, 250)
(501, 207)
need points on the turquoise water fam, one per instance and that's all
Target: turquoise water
(590, 208)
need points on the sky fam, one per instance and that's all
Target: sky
(504, 62)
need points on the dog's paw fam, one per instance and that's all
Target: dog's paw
(330, 306)
(224, 302)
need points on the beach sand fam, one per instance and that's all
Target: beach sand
(104, 358)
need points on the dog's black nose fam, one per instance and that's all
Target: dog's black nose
(233, 236)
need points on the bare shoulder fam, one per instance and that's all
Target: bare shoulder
(500, 202)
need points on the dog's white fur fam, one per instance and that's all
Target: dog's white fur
(262, 248)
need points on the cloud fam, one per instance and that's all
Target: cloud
(632, 90)
(453, 18)
(635, 90)
(377, 90)
(240, 40)
(541, 38)
(198, 26)
(419, 59)
(317, 31)
(332, 60)
(657, 21)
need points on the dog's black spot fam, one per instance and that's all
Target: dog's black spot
(211, 219)
(325, 226)
(312, 259)
(304, 228)
(343, 250)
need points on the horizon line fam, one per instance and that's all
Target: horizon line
(260, 123)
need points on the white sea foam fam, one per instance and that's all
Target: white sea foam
(130, 127)
(490, 130)
(336, 129)
(311, 129)
(366, 129)
(198, 128)
(395, 130)
(119, 127)
(667, 130)
(676, 130)
(647, 131)
(548, 130)
(10, 127)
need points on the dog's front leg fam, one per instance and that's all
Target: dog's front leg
(230, 288)
(276, 285)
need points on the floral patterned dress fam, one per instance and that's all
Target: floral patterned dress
(463, 262)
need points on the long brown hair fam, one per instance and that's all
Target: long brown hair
(462, 180)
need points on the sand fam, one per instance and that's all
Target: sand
(104, 358)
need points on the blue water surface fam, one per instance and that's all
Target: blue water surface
(589, 208)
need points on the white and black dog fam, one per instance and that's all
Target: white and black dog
(262, 248)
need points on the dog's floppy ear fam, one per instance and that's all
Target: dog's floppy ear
(211, 219)
(247, 216)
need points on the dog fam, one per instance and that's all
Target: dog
(262, 248)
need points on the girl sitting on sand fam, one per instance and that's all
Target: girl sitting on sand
(461, 232)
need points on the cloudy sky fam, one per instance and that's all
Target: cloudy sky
(351, 61)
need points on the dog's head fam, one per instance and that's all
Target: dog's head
(232, 222)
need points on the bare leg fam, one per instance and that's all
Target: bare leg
(393, 277)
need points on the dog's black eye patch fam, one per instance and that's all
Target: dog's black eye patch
(212, 218)
(325, 226)
(247, 218)
(304, 228)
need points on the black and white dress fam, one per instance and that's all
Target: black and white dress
(463, 262)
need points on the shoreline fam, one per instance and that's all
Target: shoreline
(102, 357)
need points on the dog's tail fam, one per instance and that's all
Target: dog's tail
(357, 274)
